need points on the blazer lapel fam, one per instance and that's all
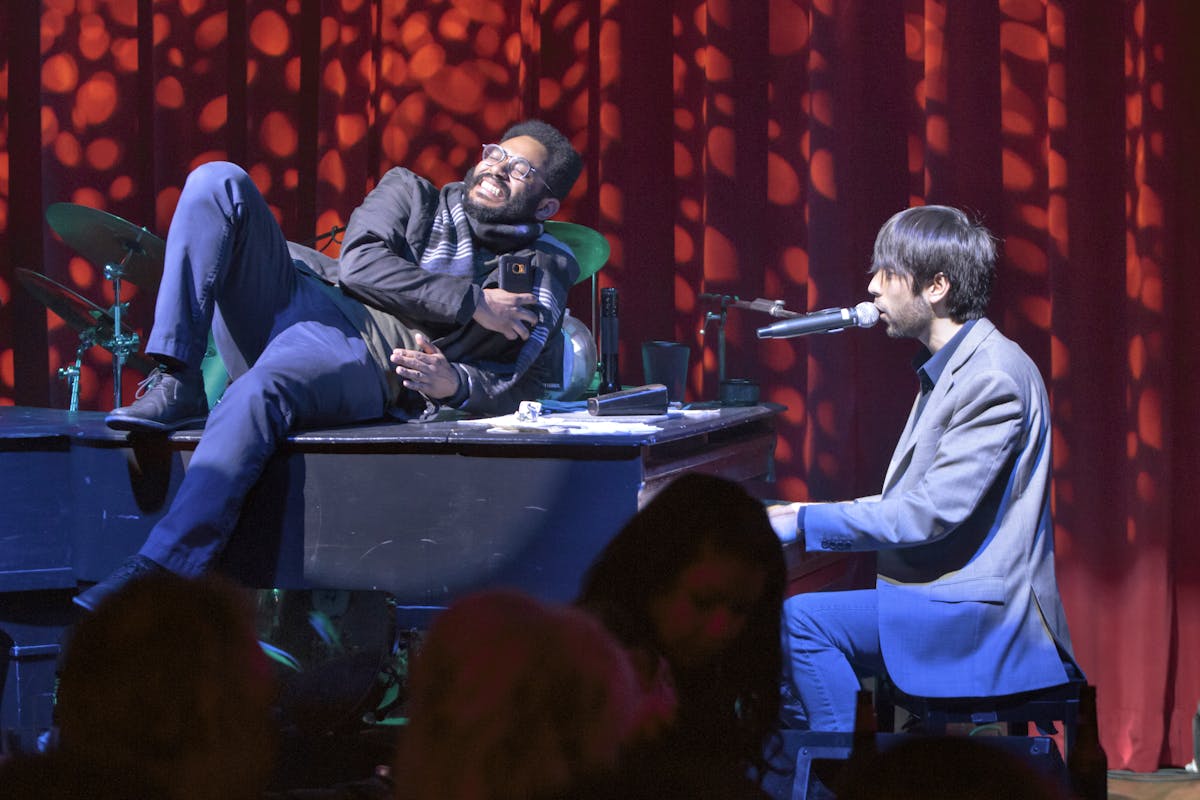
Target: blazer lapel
(902, 456)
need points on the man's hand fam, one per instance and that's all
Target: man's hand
(426, 370)
(783, 519)
(506, 313)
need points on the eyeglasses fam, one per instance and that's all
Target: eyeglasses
(518, 166)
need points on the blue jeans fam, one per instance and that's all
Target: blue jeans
(830, 638)
(294, 358)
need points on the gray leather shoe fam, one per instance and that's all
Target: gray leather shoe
(166, 401)
(132, 568)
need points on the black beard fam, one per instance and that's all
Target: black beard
(512, 210)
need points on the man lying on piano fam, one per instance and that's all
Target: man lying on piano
(409, 319)
(966, 602)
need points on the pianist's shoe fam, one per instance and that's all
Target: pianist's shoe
(166, 401)
(134, 567)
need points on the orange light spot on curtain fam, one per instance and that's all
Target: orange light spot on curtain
(1027, 256)
(7, 372)
(214, 114)
(914, 37)
(453, 25)
(49, 125)
(350, 6)
(331, 170)
(717, 65)
(269, 33)
(721, 150)
(1023, 10)
(349, 34)
(414, 32)
(685, 165)
(335, 78)
(1019, 174)
(937, 134)
(278, 135)
(66, 149)
(102, 154)
(291, 74)
(610, 52)
(720, 256)
(612, 203)
(53, 23)
(690, 208)
(1060, 359)
(489, 12)
(427, 61)
(82, 272)
(93, 37)
(125, 55)
(1137, 357)
(783, 184)
(795, 264)
(205, 157)
(123, 12)
(723, 103)
(789, 31)
(1019, 114)
(684, 119)
(329, 32)
(162, 28)
(175, 57)
(1024, 41)
(121, 188)
(393, 68)
(1149, 209)
(168, 93)
(261, 175)
(549, 92)
(191, 7)
(459, 89)
(685, 295)
(685, 247)
(820, 106)
(487, 43)
(1149, 413)
(781, 359)
(291, 178)
(60, 74)
(1152, 293)
(821, 174)
(351, 128)
(211, 32)
(88, 196)
(1037, 311)
(610, 120)
(395, 142)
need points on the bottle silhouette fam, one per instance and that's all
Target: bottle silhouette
(1087, 763)
(610, 380)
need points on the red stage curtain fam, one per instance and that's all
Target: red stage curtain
(746, 149)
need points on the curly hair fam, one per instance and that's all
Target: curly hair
(514, 699)
(564, 163)
(166, 681)
(735, 698)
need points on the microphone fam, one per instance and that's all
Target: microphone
(863, 315)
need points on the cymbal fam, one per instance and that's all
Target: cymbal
(590, 247)
(79, 313)
(103, 238)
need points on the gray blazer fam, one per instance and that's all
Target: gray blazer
(968, 600)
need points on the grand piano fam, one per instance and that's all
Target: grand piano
(424, 512)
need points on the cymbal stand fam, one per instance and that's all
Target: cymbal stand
(122, 344)
(70, 373)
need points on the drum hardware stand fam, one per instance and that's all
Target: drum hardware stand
(70, 373)
(122, 344)
(719, 317)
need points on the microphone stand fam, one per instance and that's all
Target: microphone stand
(727, 301)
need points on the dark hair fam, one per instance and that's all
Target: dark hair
(166, 682)
(922, 241)
(564, 163)
(696, 514)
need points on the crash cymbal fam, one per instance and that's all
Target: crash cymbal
(80, 314)
(104, 239)
(590, 247)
